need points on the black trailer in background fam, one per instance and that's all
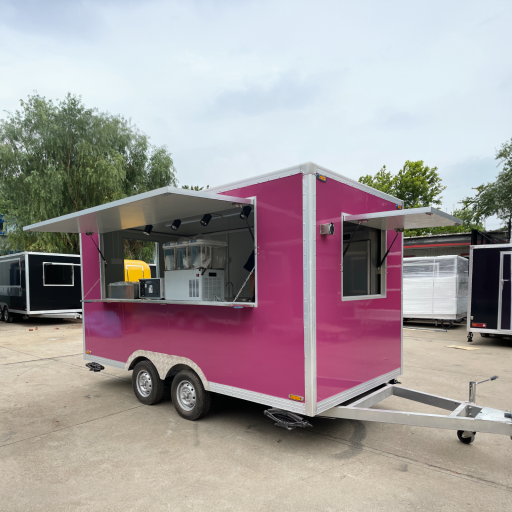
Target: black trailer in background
(40, 285)
(490, 290)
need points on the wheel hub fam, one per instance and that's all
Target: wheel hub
(186, 395)
(144, 383)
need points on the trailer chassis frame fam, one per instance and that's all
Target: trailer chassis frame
(465, 416)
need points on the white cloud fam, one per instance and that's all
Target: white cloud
(237, 88)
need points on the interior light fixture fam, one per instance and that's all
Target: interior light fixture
(148, 229)
(246, 211)
(206, 219)
(175, 225)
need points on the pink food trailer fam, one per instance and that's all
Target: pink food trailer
(284, 289)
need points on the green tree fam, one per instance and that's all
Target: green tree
(139, 250)
(416, 184)
(197, 188)
(495, 198)
(60, 158)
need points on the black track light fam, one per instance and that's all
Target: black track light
(176, 224)
(148, 229)
(206, 219)
(246, 211)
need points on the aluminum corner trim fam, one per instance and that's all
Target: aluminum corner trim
(308, 168)
(309, 266)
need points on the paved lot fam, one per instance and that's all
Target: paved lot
(71, 439)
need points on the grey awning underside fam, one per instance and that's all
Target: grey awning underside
(415, 218)
(155, 207)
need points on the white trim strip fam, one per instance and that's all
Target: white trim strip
(489, 246)
(259, 398)
(55, 311)
(39, 254)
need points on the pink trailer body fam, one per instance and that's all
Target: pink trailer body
(304, 344)
(261, 349)
(357, 341)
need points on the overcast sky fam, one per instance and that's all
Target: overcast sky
(236, 88)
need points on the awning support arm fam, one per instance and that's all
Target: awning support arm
(387, 252)
(89, 233)
(352, 237)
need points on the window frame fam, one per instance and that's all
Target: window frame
(383, 270)
(62, 264)
(19, 266)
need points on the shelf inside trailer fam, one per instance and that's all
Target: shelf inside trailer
(186, 302)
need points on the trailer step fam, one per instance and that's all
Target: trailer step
(286, 420)
(95, 367)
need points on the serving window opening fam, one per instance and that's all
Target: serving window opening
(58, 274)
(206, 259)
(362, 262)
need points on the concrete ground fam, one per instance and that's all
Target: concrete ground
(71, 439)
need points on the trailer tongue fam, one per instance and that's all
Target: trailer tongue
(466, 418)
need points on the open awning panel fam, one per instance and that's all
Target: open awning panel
(155, 207)
(414, 218)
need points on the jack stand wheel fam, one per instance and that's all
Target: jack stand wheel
(470, 337)
(465, 436)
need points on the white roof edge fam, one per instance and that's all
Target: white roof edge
(305, 168)
(360, 186)
(489, 246)
(16, 254)
(269, 176)
(447, 256)
(207, 194)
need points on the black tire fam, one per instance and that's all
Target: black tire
(465, 440)
(7, 316)
(146, 383)
(484, 334)
(189, 397)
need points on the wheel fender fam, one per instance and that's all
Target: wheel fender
(164, 362)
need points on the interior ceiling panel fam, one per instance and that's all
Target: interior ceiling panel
(157, 207)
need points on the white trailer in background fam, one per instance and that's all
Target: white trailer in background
(436, 288)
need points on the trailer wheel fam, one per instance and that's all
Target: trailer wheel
(7, 315)
(147, 385)
(484, 334)
(465, 436)
(189, 397)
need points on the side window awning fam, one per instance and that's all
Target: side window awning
(155, 207)
(398, 220)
